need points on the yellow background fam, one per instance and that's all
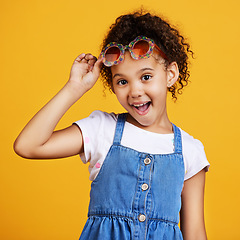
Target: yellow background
(48, 200)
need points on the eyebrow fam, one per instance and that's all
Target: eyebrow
(145, 69)
(117, 75)
(141, 70)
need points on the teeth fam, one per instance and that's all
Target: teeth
(139, 105)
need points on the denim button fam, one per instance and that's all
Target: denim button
(147, 161)
(144, 187)
(141, 217)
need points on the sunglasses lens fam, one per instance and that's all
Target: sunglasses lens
(140, 48)
(112, 54)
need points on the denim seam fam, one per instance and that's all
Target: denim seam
(162, 220)
(109, 215)
(132, 218)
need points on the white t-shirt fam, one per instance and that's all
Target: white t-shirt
(98, 132)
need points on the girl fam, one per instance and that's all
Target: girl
(138, 160)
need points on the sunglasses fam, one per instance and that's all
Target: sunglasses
(140, 47)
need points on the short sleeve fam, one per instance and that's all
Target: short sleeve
(98, 132)
(194, 155)
(90, 128)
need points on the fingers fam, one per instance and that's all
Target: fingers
(99, 61)
(86, 69)
(98, 64)
(90, 61)
(87, 58)
(90, 57)
(80, 57)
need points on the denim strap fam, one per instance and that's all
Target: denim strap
(177, 139)
(119, 128)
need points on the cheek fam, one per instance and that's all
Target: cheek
(122, 97)
(158, 89)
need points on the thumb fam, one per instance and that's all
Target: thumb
(97, 66)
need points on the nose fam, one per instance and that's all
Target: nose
(136, 90)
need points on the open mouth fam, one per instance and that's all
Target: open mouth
(142, 108)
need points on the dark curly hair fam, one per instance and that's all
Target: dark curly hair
(128, 27)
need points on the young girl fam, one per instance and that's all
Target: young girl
(145, 170)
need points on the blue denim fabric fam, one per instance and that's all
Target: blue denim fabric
(118, 196)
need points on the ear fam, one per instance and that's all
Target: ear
(172, 74)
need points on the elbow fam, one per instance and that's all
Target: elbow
(22, 150)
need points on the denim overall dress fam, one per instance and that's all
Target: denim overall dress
(136, 195)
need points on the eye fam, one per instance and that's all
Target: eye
(122, 82)
(146, 77)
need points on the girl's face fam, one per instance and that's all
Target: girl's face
(141, 88)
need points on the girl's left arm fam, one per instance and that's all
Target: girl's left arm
(192, 211)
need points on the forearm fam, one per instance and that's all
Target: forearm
(197, 233)
(192, 211)
(38, 139)
(40, 128)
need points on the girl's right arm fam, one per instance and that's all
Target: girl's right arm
(38, 138)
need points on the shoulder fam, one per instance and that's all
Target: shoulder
(194, 155)
(98, 126)
(191, 142)
(98, 117)
(103, 115)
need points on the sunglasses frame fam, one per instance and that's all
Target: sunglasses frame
(129, 47)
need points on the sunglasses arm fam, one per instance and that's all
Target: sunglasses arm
(162, 54)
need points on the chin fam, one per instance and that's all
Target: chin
(143, 122)
(146, 123)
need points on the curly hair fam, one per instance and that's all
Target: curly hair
(128, 27)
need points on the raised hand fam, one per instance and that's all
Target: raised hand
(85, 71)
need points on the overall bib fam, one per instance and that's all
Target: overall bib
(136, 195)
